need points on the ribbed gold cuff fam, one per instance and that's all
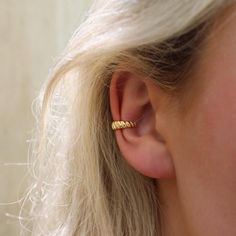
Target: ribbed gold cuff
(121, 124)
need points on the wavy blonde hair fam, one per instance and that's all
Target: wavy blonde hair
(81, 183)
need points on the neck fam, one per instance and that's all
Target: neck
(171, 212)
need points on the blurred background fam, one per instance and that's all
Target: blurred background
(32, 36)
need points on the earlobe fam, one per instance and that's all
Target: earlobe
(142, 146)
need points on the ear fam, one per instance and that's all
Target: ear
(142, 146)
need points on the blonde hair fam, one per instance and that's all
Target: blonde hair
(82, 184)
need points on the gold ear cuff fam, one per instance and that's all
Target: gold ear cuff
(121, 124)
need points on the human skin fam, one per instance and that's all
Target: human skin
(203, 142)
(196, 169)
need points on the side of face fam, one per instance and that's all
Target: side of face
(202, 141)
(191, 141)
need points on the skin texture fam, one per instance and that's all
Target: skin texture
(191, 154)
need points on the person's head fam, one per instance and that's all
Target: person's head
(168, 66)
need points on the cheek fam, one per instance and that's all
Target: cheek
(216, 124)
(204, 152)
(209, 130)
(203, 141)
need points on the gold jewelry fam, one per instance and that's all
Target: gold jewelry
(121, 124)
